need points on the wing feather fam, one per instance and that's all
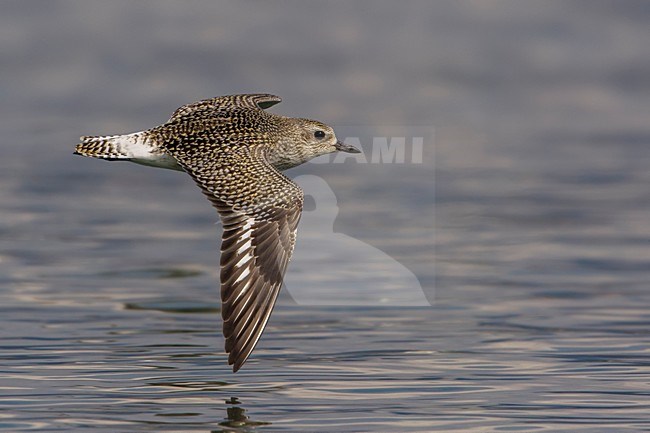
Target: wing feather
(223, 104)
(258, 238)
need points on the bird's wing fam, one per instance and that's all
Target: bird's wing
(225, 103)
(260, 209)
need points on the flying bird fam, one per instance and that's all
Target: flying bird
(236, 151)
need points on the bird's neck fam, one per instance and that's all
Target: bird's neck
(285, 155)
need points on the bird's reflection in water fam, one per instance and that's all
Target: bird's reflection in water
(236, 419)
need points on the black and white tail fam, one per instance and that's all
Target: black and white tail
(113, 147)
(134, 147)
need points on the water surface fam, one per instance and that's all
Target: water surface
(526, 224)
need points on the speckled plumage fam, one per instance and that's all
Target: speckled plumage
(233, 149)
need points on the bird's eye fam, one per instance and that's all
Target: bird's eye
(319, 134)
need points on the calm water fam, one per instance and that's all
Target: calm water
(524, 230)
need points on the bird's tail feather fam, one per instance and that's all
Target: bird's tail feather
(105, 146)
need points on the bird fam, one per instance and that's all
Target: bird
(235, 150)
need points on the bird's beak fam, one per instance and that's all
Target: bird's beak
(342, 147)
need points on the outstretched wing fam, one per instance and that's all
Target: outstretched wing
(254, 100)
(255, 253)
(260, 209)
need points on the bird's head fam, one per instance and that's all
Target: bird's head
(305, 139)
(320, 139)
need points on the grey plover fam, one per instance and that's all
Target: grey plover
(235, 151)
